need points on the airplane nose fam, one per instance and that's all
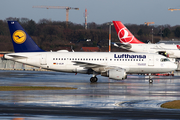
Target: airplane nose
(174, 66)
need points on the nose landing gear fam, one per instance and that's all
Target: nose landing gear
(150, 79)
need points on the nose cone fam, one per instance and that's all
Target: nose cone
(173, 66)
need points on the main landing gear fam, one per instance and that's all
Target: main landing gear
(93, 79)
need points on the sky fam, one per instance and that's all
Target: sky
(99, 11)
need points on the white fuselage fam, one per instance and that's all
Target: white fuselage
(97, 61)
(170, 49)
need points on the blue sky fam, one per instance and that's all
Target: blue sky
(99, 11)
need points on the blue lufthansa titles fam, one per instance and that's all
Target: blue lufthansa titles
(129, 56)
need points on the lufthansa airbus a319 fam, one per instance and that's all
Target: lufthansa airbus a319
(115, 65)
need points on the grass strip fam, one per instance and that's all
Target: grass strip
(23, 88)
(172, 104)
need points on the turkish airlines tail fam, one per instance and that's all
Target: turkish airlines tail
(125, 36)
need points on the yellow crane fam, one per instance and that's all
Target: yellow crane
(172, 9)
(59, 7)
(148, 23)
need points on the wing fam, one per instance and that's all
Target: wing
(96, 67)
(121, 45)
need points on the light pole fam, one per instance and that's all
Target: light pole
(110, 23)
(161, 33)
(152, 35)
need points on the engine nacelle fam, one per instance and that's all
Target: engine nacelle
(117, 74)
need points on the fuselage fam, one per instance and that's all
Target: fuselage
(171, 50)
(66, 61)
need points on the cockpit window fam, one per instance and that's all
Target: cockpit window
(164, 59)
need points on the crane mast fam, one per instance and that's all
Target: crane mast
(59, 7)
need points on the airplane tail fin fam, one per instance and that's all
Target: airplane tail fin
(22, 42)
(125, 36)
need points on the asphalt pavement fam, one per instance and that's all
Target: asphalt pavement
(133, 98)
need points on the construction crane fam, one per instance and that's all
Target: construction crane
(59, 7)
(172, 9)
(148, 23)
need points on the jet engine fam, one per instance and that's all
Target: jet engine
(117, 74)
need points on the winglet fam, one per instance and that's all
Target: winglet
(125, 36)
(22, 42)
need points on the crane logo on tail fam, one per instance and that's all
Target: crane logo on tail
(19, 36)
(125, 36)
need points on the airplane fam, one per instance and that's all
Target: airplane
(129, 42)
(115, 65)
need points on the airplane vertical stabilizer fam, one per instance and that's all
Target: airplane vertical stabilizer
(22, 42)
(125, 36)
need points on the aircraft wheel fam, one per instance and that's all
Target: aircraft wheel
(93, 79)
(150, 81)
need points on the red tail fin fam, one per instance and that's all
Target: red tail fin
(125, 36)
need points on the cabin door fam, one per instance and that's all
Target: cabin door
(151, 60)
(43, 59)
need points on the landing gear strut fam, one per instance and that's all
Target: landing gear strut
(150, 79)
(93, 79)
